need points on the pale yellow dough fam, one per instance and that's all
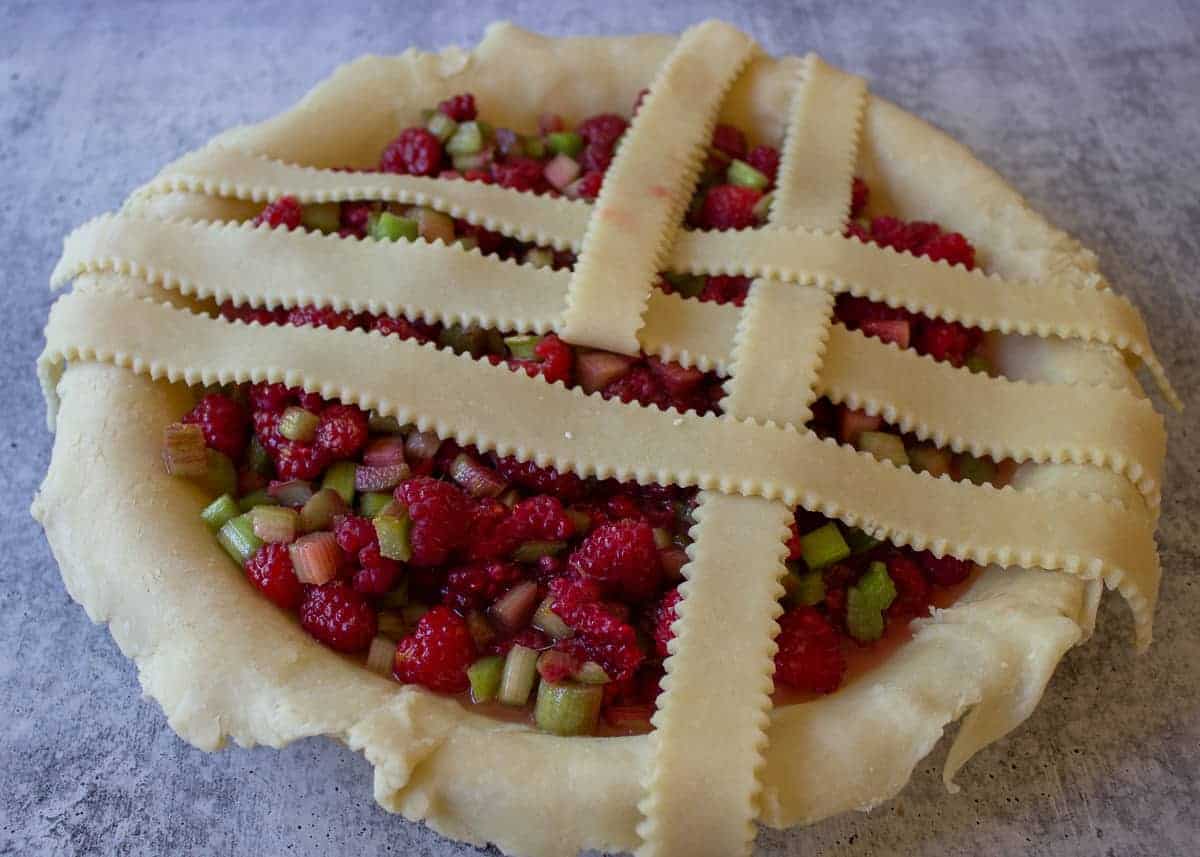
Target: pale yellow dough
(223, 662)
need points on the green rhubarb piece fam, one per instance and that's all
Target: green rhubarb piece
(340, 477)
(257, 458)
(485, 675)
(393, 537)
(322, 216)
(520, 672)
(392, 624)
(805, 587)
(220, 474)
(762, 208)
(275, 523)
(534, 147)
(471, 339)
(866, 601)
(372, 503)
(441, 126)
(532, 551)
(859, 540)
(466, 163)
(467, 139)
(238, 539)
(298, 424)
(564, 143)
(741, 173)
(977, 470)
(549, 622)
(522, 347)
(687, 285)
(884, 446)
(567, 708)
(386, 226)
(220, 511)
(318, 513)
(256, 498)
(979, 363)
(823, 546)
(592, 673)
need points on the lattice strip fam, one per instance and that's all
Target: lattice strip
(560, 223)
(647, 189)
(813, 187)
(589, 435)
(703, 802)
(1101, 426)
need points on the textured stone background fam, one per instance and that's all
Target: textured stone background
(1090, 109)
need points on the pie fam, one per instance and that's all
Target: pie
(669, 440)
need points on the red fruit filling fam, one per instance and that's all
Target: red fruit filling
(473, 556)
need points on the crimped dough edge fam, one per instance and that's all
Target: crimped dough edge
(427, 751)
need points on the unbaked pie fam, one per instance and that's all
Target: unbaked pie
(672, 439)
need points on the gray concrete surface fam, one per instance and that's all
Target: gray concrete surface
(1091, 109)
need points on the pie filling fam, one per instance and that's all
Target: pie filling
(527, 592)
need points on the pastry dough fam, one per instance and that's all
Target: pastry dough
(224, 663)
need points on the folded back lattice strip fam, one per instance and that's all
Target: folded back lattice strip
(592, 436)
(647, 188)
(262, 266)
(1060, 307)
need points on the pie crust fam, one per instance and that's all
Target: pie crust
(1080, 512)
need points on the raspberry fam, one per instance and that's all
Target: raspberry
(270, 569)
(946, 571)
(810, 652)
(558, 669)
(295, 460)
(339, 617)
(323, 317)
(944, 340)
(440, 516)
(523, 174)
(224, 423)
(853, 311)
(270, 397)
(541, 518)
(729, 140)
(902, 236)
(596, 158)
(354, 215)
(601, 634)
(912, 589)
(477, 584)
(544, 480)
(250, 314)
(285, 211)
(437, 654)
(485, 540)
(855, 230)
(555, 360)
(638, 385)
(728, 206)
(488, 241)
(415, 152)
(622, 556)
(680, 382)
(604, 128)
(402, 327)
(952, 247)
(765, 159)
(530, 638)
(342, 431)
(859, 194)
(460, 108)
(589, 186)
(353, 533)
(377, 574)
(664, 616)
(724, 290)
(794, 546)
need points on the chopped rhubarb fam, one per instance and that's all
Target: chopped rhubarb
(372, 503)
(340, 477)
(926, 458)
(591, 672)
(393, 534)
(520, 672)
(595, 370)
(476, 479)
(299, 424)
(238, 539)
(884, 446)
(852, 423)
(673, 560)
(318, 513)
(183, 450)
(316, 557)
(275, 523)
(422, 445)
(535, 550)
(293, 493)
(512, 611)
(567, 708)
(380, 477)
(556, 666)
(485, 675)
(384, 451)
(824, 546)
(898, 331)
(550, 623)
(381, 656)
(219, 511)
(561, 171)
